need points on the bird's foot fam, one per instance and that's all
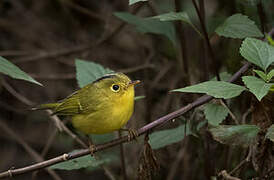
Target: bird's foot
(132, 134)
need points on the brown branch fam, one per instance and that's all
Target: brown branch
(67, 51)
(16, 94)
(83, 10)
(27, 148)
(211, 53)
(229, 111)
(67, 156)
(182, 54)
(227, 176)
(262, 15)
(122, 157)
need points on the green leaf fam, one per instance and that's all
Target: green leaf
(135, 1)
(261, 74)
(85, 161)
(173, 16)
(146, 25)
(238, 26)
(102, 138)
(215, 113)
(270, 133)
(139, 97)
(163, 138)
(235, 134)
(270, 75)
(257, 86)
(257, 52)
(13, 71)
(87, 72)
(217, 89)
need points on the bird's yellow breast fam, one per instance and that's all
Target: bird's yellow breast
(112, 115)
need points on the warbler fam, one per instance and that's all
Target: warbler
(102, 106)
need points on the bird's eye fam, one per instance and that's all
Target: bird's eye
(115, 87)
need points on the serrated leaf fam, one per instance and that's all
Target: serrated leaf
(257, 52)
(217, 89)
(139, 97)
(238, 26)
(270, 75)
(215, 113)
(270, 133)
(13, 71)
(257, 86)
(163, 138)
(261, 74)
(173, 16)
(146, 25)
(85, 161)
(135, 1)
(87, 72)
(235, 134)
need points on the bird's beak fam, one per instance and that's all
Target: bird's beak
(133, 83)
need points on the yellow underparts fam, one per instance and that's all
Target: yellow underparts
(107, 119)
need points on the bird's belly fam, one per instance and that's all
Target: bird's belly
(105, 120)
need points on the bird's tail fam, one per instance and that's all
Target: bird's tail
(46, 106)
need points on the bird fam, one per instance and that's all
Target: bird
(103, 106)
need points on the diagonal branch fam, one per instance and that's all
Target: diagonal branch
(67, 156)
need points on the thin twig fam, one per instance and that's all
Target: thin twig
(247, 159)
(262, 15)
(67, 156)
(16, 94)
(182, 54)
(211, 53)
(28, 149)
(122, 157)
(227, 176)
(67, 51)
(180, 155)
(230, 112)
(83, 10)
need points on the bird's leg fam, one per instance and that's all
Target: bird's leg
(132, 133)
(91, 146)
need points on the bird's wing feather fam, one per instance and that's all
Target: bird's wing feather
(85, 100)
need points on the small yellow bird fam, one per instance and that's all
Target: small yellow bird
(102, 106)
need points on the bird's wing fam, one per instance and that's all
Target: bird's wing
(85, 100)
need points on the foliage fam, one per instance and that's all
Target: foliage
(243, 135)
(257, 52)
(163, 138)
(238, 26)
(13, 71)
(87, 72)
(257, 86)
(221, 89)
(131, 2)
(270, 133)
(215, 113)
(173, 16)
(149, 25)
